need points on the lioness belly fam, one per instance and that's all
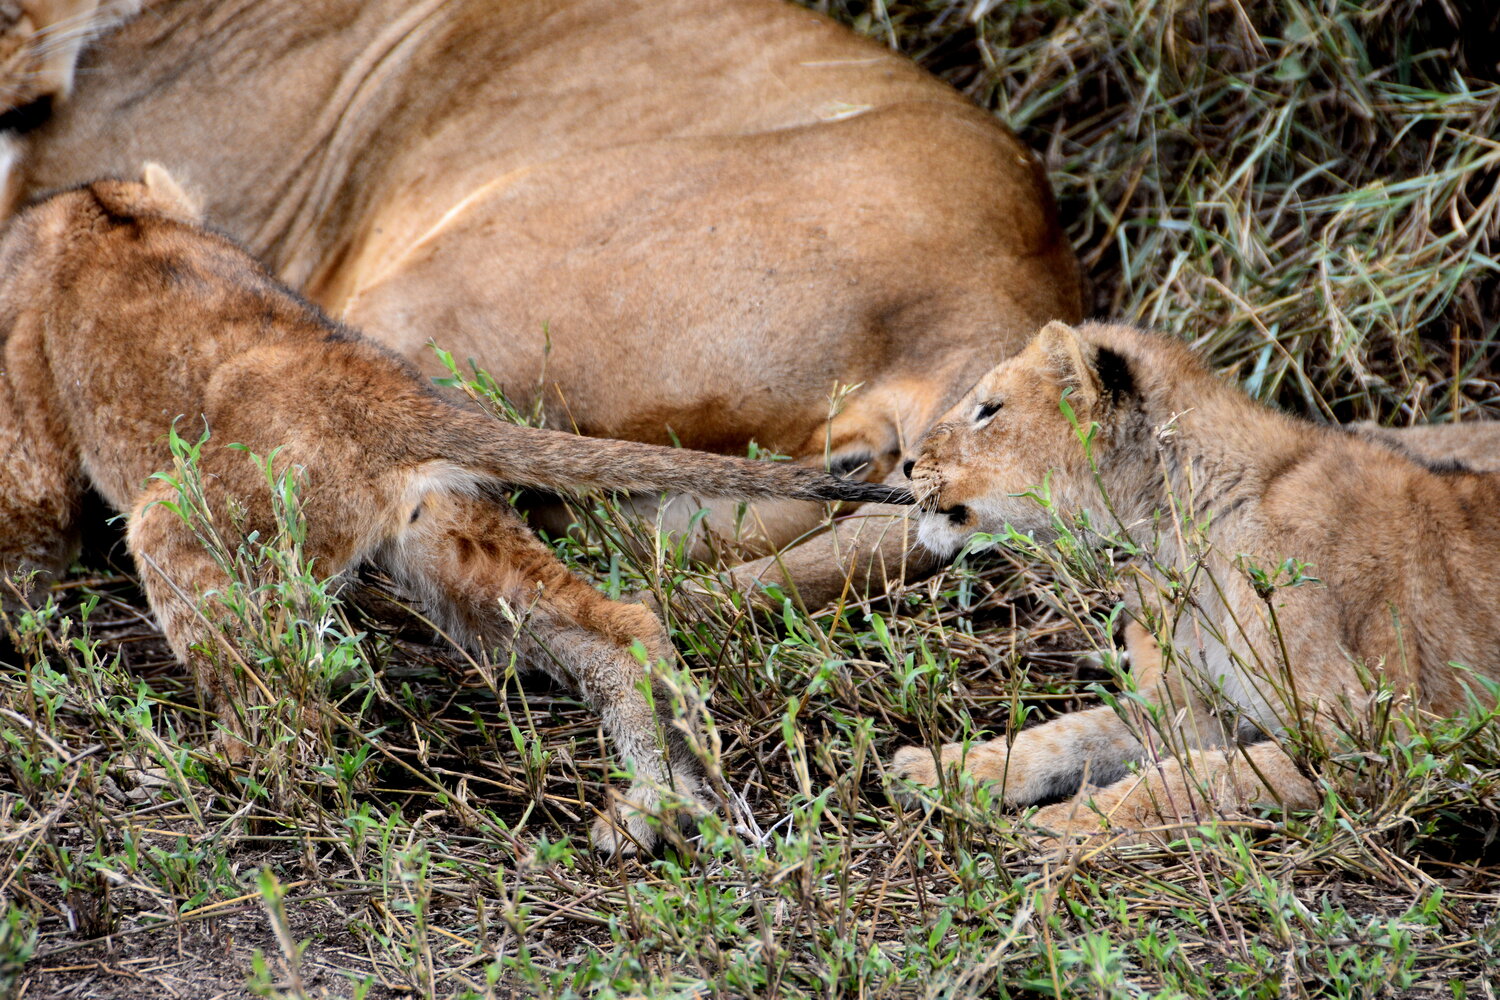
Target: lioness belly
(731, 288)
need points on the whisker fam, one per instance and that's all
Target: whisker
(925, 495)
(78, 26)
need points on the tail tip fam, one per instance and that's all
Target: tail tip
(862, 492)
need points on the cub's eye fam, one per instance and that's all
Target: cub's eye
(987, 410)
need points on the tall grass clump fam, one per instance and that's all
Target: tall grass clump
(1305, 188)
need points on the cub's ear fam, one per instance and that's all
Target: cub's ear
(1063, 352)
(168, 195)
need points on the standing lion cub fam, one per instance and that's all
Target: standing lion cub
(119, 315)
(1403, 552)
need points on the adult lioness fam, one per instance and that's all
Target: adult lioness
(118, 314)
(696, 220)
(1404, 552)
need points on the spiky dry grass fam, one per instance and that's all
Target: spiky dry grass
(1305, 187)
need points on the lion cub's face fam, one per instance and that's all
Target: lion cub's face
(980, 467)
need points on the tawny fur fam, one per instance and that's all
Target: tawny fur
(119, 315)
(1403, 545)
(687, 220)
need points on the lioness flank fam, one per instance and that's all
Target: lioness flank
(1399, 553)
(118, 315)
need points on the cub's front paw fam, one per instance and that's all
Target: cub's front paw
(622, 830)
(632, 822)
(1068, 821)
(1094, 819)
(915, 764)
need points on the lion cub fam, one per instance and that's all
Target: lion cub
(1404, 551)
(119, 315)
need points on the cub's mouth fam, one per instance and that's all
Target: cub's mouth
(958, 514)
(944, 525)
(927, 493)
(945, 530)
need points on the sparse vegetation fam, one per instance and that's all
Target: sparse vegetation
(1306, 188)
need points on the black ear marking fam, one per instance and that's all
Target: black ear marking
(1116, 380)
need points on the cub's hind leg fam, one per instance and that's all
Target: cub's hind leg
(471, 558)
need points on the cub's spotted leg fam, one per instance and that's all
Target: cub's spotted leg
(1041, 762)
(1055, 757)
(1167, 795)
(182, 581)
(464, 556)
(40, 491)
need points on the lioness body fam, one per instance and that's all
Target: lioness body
(1403, 552)
(673, 220)
(119, 316)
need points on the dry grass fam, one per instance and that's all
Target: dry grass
(1306, 187)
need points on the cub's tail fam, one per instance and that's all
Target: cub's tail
(553, 460)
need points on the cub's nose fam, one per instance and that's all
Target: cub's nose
(907, 466)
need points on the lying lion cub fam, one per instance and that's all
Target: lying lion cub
(1404, 551)
(118, 314)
